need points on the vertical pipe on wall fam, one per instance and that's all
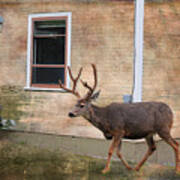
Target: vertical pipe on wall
(138, 50)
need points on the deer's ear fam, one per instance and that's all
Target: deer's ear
(95, 95)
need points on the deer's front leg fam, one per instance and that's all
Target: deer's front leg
(121, 158)
(114, 144)
(110, 153)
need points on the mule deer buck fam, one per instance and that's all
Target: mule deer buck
(124, 120)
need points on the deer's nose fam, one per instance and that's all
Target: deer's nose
(71, 114)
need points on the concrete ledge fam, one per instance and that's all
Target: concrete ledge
(132, 151)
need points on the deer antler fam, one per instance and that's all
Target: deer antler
(85, 84)
(74, 80)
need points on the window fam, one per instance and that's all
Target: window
(48, 50)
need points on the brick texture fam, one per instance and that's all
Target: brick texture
(161, 56)
(102, 33)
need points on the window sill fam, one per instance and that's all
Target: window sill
(44, 89)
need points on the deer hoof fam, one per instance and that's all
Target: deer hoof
(136, 168)
(105, 170)
(129, 168)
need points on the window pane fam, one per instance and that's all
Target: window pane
(50, 27)
(49, 50)
(47, 75)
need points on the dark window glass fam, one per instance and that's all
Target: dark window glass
(49, 50)
(49, 43)
(47, 75)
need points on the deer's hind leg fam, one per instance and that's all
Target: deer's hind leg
(165, 135)
(151, 149)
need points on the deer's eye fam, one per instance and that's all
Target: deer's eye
(81, 105)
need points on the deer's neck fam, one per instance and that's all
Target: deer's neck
(94, 116)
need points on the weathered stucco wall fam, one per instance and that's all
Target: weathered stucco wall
(102, 33)
(161, 56)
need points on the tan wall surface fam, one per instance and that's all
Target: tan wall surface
(161, 81)
(102, 33)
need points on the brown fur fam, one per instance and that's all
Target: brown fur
(137, 120)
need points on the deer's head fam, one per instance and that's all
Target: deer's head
(83, 103)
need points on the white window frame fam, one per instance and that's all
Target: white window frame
(29, 45)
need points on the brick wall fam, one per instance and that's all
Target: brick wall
(102, 33)
(161, 56)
